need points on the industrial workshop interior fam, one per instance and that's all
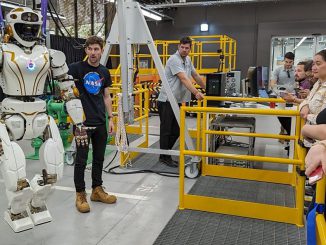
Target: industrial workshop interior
(163, 122)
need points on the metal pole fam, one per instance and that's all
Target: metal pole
(92, 17)
(315, 35)
(106, 18)
(76, 18)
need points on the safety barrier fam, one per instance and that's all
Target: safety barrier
(221, 48)
(244, 208)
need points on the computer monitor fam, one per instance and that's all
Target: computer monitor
(215, 86)
(257, 79)
(262, 77)
(251, 80)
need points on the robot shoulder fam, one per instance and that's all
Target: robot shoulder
(58, 58)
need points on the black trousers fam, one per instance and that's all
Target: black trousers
(98, 137)
(169, 127)
(286, 124)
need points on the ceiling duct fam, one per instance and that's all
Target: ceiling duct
(203, 3)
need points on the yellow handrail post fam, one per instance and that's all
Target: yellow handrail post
(203, 137)
(147, 115)
(320, 218)
(198, 132)
(182, 158)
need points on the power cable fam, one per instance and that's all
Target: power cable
(110, 170)
(162, 173)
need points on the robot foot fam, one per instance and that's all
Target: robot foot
(37, 209)
(18, 222)
(39, 215)
(22, 184)
(48, 178)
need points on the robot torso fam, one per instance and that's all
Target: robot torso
(24, 74)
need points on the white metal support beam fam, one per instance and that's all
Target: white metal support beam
(130, 27)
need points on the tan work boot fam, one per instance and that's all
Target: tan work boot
(81, 202)
(99, 195)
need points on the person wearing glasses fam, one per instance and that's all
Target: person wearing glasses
(284, 75)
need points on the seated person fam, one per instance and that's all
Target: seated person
(304, 82)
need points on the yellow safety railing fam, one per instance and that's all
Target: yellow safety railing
(221, 49)
(291, 215)
(141, 106)
(320, 218)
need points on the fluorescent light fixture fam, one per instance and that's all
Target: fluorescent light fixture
(57, 16)
(204, 27)
(110, 1)
(151, 15)
(9, 5)
(301, 41)
(13, 6)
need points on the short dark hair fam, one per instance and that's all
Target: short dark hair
(94, 40)
(322, 53)
(289, 55)
(302, 63)
(186, 40)
(307, 65)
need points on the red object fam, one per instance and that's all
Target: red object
(316, 175)
(272, 104)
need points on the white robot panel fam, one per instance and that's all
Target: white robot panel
(29, 116)
(24, 73)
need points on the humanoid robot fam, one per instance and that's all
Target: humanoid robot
(25, 63)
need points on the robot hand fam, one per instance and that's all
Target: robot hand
(81, 136)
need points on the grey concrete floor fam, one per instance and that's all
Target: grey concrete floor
(146, 202)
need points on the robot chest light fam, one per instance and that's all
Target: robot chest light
(31, 65)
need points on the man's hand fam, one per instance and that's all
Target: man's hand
(304, 93)
(199, 96)
(304, 112)
(316, 156)
(81, 136)
(288, 97)
(110, 126)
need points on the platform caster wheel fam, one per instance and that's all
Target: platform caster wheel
(70, 158)
(191, 172)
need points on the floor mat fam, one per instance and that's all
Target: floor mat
(197, 227)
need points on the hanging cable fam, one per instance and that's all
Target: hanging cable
(78, 46)
(121, 140)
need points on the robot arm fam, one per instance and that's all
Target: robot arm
(69, 94)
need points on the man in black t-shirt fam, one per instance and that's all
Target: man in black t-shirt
(92, 81)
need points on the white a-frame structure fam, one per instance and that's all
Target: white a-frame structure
(129, 27)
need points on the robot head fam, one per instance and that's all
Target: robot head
(24, 25)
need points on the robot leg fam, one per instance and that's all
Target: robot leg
(52, 152)
(18, 190)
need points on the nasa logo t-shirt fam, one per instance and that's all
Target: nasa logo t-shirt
(91, 82)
